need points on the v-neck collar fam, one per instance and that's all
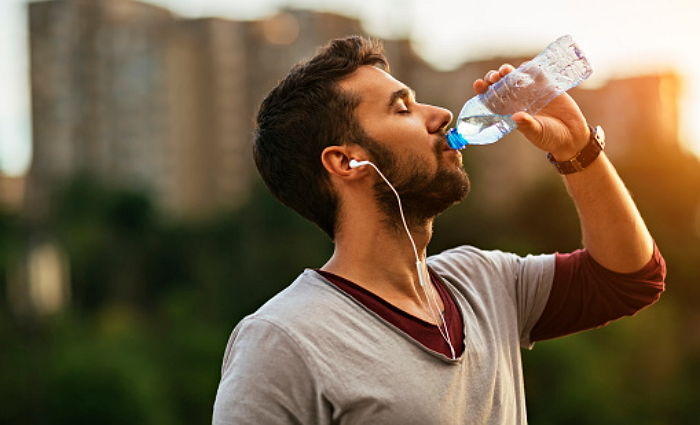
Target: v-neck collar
(458, 299)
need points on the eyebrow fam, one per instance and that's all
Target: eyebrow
(404, 93)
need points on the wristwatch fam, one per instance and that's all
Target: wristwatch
(585, 156)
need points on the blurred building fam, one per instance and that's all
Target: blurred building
(136, 96)
(640, 114)
(133, 95)
(207, 151)
(12, 190)
(99, 99)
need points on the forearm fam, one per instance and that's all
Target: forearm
(613, 231)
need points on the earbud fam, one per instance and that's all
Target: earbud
(355, 163)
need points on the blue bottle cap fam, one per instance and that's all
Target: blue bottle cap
(455, 140)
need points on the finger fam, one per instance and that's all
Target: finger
(480, 86)
(505, 69)
(492, 76)
(528, 125)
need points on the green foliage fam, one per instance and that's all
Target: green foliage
(153, 302)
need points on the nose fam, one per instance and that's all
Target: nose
(438, 119)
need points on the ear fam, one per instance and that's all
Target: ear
(336, 160)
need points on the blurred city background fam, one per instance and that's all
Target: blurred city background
(135, 233)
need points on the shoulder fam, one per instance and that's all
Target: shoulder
(305, 311)
(262, 362)
(305, 300)
(504, 284)
(468, 259)
(468, 265)
(472, 253)
(290, 318)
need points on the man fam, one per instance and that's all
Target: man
(358, 340)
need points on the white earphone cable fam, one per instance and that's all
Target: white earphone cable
(420, 265)
(398, 199)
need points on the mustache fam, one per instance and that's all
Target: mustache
(440, 145)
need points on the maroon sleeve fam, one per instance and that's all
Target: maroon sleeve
(586, 295)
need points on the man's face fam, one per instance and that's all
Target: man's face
(406, 141)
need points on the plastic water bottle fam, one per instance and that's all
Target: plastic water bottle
(486, 118)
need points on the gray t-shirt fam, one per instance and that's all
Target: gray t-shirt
(314, 355)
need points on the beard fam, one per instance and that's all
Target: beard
(424, 195)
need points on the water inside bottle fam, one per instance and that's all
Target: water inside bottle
(481, 129)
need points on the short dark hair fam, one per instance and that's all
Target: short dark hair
(305, 113)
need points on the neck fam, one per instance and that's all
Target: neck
(379, 257)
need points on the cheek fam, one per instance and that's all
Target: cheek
(400, 124)
(407, 134)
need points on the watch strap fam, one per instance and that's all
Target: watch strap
(585, 156)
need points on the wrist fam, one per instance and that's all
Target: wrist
(569, 151)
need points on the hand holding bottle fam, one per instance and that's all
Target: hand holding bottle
(559, 127)
(507, 98)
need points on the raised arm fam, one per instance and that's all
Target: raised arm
(613, 230)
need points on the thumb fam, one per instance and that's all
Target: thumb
(529, 126)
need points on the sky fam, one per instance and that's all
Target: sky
(620, 37)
